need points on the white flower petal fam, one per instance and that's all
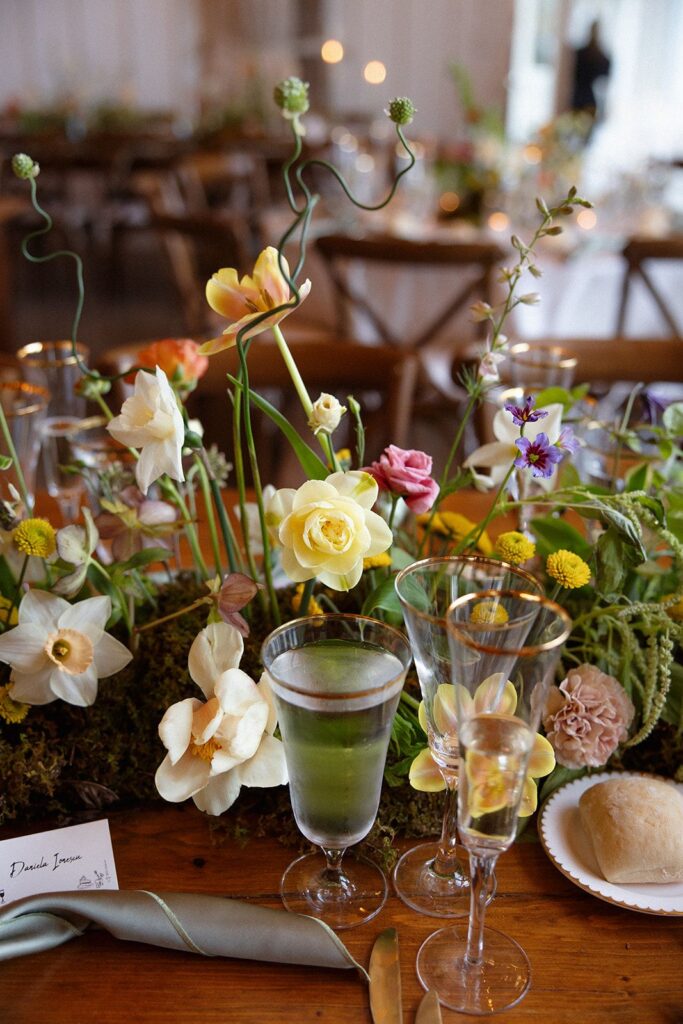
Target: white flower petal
(217, 648)
(71, 544)
(42, 608)
(236, 691)
(550, 425)
(175, 728)
(80, 690)
(176, 782)
(267, 767)
(246, 731)
(110, 656)
(380, 534)
(266, 692)
(356, 484)
(33, 688)
(87, 616)
(496, 453)
(23, 647)
(220, 793)
(342, 583)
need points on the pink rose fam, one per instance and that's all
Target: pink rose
(406, 473)
(587, 717)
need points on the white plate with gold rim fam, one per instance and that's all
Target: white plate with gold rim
(564, 839)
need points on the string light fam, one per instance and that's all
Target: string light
(449, 201)
(499, 221)
(332, 51)
(587, 219)
(374, 72)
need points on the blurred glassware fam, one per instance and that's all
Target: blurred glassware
(539, 366)
(25, 406)
(53, 365)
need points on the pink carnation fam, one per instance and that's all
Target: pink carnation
(406, 473)
(587, 717)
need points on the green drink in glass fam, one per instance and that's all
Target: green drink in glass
(337, 680)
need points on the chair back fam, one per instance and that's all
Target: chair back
(638, 254)
(473, 264)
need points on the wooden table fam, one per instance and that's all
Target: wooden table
(592, 962)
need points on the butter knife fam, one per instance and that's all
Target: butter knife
(385, 979)
(429, 1011)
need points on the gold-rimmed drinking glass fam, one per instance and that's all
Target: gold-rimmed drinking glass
(337, 680)
(504, 645)
(25, 407)
(53, 365)
(432, 877)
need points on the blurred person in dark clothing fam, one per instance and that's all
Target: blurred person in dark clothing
(590, 64)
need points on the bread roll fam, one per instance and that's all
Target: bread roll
(636, 826)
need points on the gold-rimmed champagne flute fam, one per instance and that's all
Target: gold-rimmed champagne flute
(504, 646)
(432, 877)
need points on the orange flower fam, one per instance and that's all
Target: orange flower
(245, 300)
(179, 358)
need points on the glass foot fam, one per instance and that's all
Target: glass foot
(497, 983)
(355, 897)
(422, 889)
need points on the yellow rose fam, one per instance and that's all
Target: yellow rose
(327, 528)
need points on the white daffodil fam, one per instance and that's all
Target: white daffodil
(498, 455)
(60, 649)
(219, 745)
(75, 545)
(151, 420)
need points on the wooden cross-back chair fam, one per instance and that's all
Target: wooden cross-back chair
(381, 378)
(338, 251)
(637, 253)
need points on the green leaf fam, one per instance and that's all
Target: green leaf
(558, 778)
(673, 418)
(401, 559)
(313, 467)
(673, 708)
(637, 479)
(5, 462)
(142, 558)
(8, 584)
(383, 596)
(554, 394)
(553, 534)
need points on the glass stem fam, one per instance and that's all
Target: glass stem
(332, 872)
(446, 860)
(481, 869)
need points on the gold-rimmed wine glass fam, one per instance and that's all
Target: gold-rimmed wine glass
(432, 877)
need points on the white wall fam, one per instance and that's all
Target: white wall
(138, 51)
(417, 40)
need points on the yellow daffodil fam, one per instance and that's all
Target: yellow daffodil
(35, 537)
(568, 569)
(454, 526)
(246, 300)
(514, 547)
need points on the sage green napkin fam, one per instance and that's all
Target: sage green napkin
(209, 925)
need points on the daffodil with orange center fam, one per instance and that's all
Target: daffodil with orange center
(243, 301)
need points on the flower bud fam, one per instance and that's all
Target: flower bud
(24, 167)
(530, 299)
(291, 96)
(92, 385)
(325, 415)
(401, 110)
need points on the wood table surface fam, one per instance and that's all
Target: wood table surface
(592, 963)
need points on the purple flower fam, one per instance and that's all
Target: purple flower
(526, 413)
(568, 441)
(539, 455)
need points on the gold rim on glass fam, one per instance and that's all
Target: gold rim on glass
(447, 560)
(336, 617)
(523, 355)
(33, 354)
(461, 629)
(40, 396)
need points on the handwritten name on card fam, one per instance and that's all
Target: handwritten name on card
(63, 860)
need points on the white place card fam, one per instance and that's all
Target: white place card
(79, 857)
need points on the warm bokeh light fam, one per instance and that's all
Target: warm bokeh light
(449, 201)
(375, 72)
(532, 154)
(365, 162)
(499, 221)
(332, 51)
(587, 219)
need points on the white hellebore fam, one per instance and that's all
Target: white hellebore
(218, 745)
(498, 455)
(326, 414)
(60, 649)
(151, 420)
(326, 528)
(75, 545)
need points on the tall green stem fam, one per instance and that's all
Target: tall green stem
(12, 452)
(210, 517)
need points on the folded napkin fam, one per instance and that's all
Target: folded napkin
(209, 925)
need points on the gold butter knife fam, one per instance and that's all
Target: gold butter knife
(429, 1011)
(385, 979)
